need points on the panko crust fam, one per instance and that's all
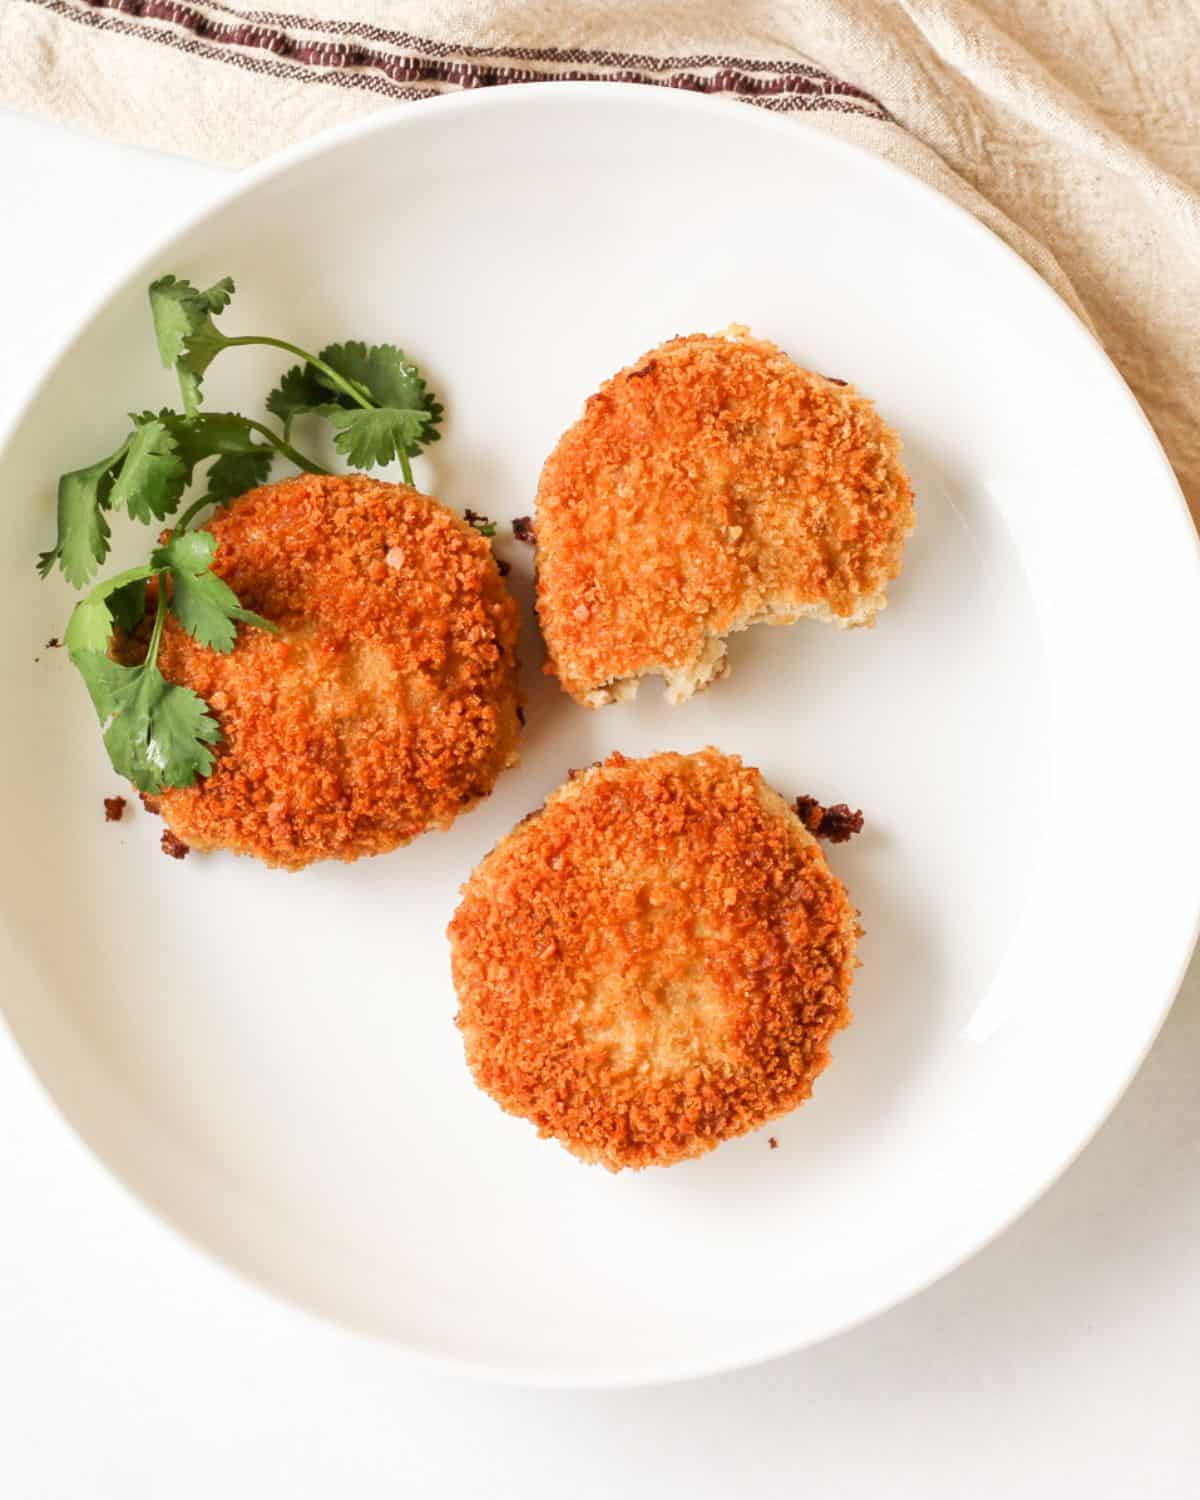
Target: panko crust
(388, 702)
(654, 962)
(712, 485)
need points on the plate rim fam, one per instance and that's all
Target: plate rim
(245, 182)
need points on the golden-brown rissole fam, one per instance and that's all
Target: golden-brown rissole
(386, 705)
(655, 961)
(711, 486)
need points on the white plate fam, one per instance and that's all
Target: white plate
(270, 1060)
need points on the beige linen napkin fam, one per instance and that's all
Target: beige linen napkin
(1071, 127)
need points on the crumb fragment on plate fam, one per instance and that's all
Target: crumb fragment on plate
(173, 846)
(836, 823)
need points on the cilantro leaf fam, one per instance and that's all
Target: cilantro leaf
(402, 416)
(205, 434)
(179, 310)
(120, 601)
(128, 603)
(152, 478)
(90, 626)
(189, 386)
(297, 392)
(187, 551)
(83, 532)
(369, 435)
(218, 296)
(210, 432)
(235, 473)
(144, 476)
(204, 604)
(242, 463)
(147, 477)
(183, 318)
(200, 348)
(157, 733)
(379, 371)
(387, 377)
(160, 732)
(176, 309)
(103, 678)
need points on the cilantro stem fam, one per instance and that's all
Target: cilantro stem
(110, 585)
(338, 381)
(190, 514)
(281, 445)
(160, 614)
(345, 386)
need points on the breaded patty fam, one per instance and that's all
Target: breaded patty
(655, 961)
(711, 486)
(388, 702)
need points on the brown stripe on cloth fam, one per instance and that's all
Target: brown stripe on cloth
(400, 65)
(564, 55)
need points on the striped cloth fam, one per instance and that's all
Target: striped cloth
(1071, 127)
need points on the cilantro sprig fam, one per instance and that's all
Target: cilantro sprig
(374, 396)
(158, 733)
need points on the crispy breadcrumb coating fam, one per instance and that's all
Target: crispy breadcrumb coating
(388, 702)
(653, 962)
(713, 485)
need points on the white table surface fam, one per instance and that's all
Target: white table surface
(1063, 1360)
